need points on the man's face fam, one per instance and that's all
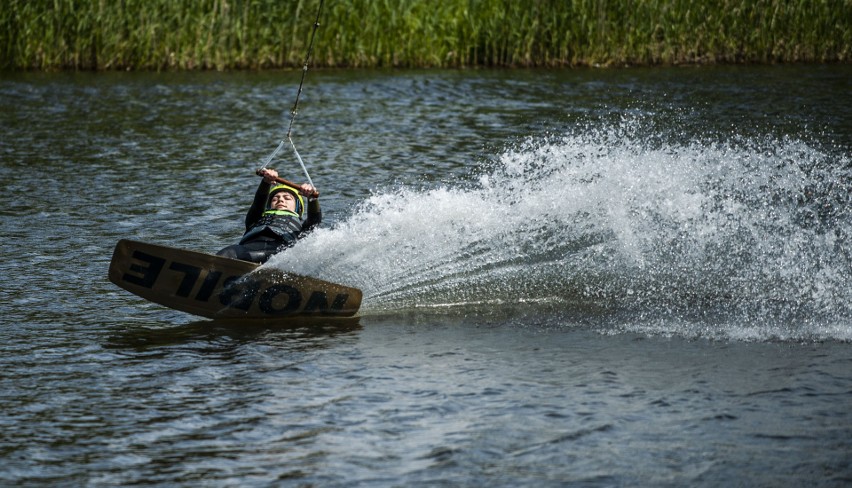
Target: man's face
(283, 200)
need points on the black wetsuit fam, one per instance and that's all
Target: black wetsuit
(269, 232)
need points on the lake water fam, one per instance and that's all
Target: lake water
(630, 277)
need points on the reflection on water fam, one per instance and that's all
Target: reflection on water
(297, 332)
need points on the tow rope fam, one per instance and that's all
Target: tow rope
(293, 114)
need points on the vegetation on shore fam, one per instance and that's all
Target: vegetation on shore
(259, 34)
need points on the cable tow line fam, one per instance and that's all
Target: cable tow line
(293, 114)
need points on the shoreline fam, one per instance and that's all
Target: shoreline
(578, 66)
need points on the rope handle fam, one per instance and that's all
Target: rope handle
(313, 194)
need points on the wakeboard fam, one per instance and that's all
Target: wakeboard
(222, 288)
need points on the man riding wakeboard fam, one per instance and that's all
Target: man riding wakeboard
(274, 221)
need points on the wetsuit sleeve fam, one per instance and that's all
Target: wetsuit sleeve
(258, 205)
(314, 215)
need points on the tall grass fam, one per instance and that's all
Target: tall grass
(257, 34)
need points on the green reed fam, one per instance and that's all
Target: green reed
(257, 34)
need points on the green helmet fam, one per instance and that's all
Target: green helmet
(300, 201)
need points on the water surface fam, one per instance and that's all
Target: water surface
(599, 277)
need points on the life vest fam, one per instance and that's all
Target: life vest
(283, 224)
